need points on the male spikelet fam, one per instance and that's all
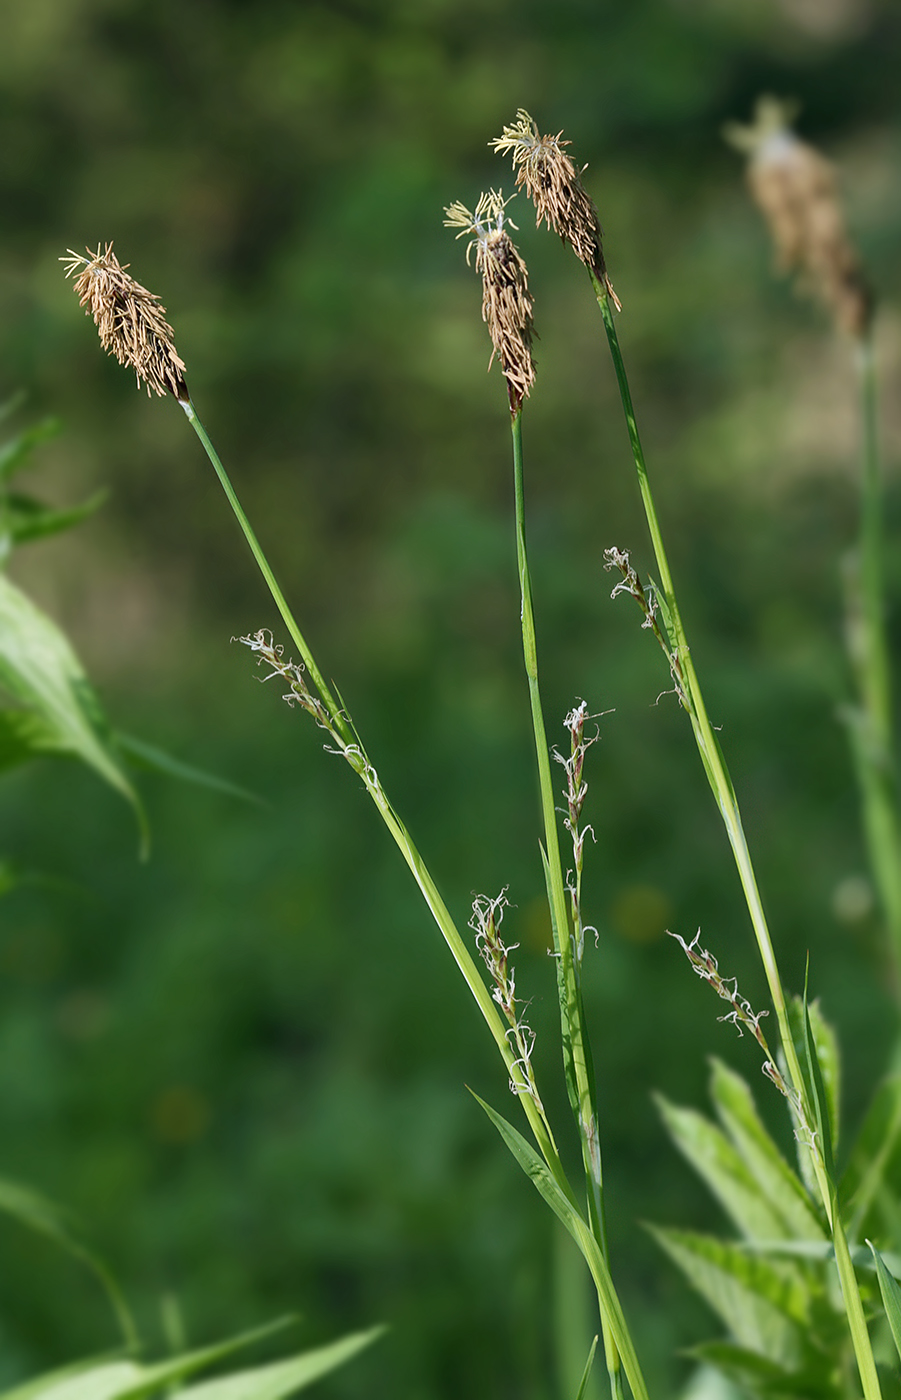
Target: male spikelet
(506, 299)
(130, 321)
(553, 183)
(795, 188)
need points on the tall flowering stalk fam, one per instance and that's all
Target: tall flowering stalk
(132, 326)
(549, 175)
(797, 192)
(506, 309)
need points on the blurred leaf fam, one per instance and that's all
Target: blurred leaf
(891, 1297)
(24, 735)
(764, 1305)
(153, 760)
(751, 1371)
(282, 1378)
(779, 1185)
(724, 1170)
(40, 670)
(872, 1153)
(24, 519)
(15, 452)
(49, 1219)
(121, 1378)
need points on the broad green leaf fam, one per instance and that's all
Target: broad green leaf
(281, 1378)
(47, 1218)
(24, 735)
(763, 1304)
(154, 760)
(587, 1372)
(872, 1153)
(778, 1184)
(562, 1205)
(40, 670)
(724, 1170)
(891, 1297)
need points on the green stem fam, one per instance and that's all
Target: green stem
(352, 749)
(278, 597)
(870, 725)
(576, 1049)
(721, 785)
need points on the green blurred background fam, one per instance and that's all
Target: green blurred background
(243, 1063)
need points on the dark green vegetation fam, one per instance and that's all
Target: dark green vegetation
(243, 1063)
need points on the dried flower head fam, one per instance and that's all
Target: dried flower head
(552, 182)
(795, 187)
(506, 300)
(130, 321)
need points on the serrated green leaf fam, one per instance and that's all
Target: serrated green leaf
(40, 670)
(715, 1159)
(562, 1205)
(872, 1154)
(281, 1378)
(891, 1297)
(763, 1304)
(778, 1184)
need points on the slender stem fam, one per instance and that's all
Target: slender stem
(278, 597)
(576, 1050)
(870, 724)
(723, 791)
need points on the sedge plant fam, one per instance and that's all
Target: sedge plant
(132, 326)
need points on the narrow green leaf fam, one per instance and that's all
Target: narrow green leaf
(49, 1380)
(15, 452)
(154, 760)
(587, 1372)
(40, 670)
(282, 1378)
(47, 1218)
(569, 1068)
(891, 1297)
(562, 1206)
(27, 519)
(724, 1170)
(872, 1154)
(765, 1305)
(106, 1381)
(778, 1184)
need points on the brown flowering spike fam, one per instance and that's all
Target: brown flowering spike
(795, 188)
(506, 299)
(552, 182)
(130, 321)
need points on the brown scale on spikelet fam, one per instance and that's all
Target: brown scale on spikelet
(795, 188)
(552, 182)
(130, 321)
(506, 299)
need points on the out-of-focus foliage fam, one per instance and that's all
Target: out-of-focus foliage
(244, 1063)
